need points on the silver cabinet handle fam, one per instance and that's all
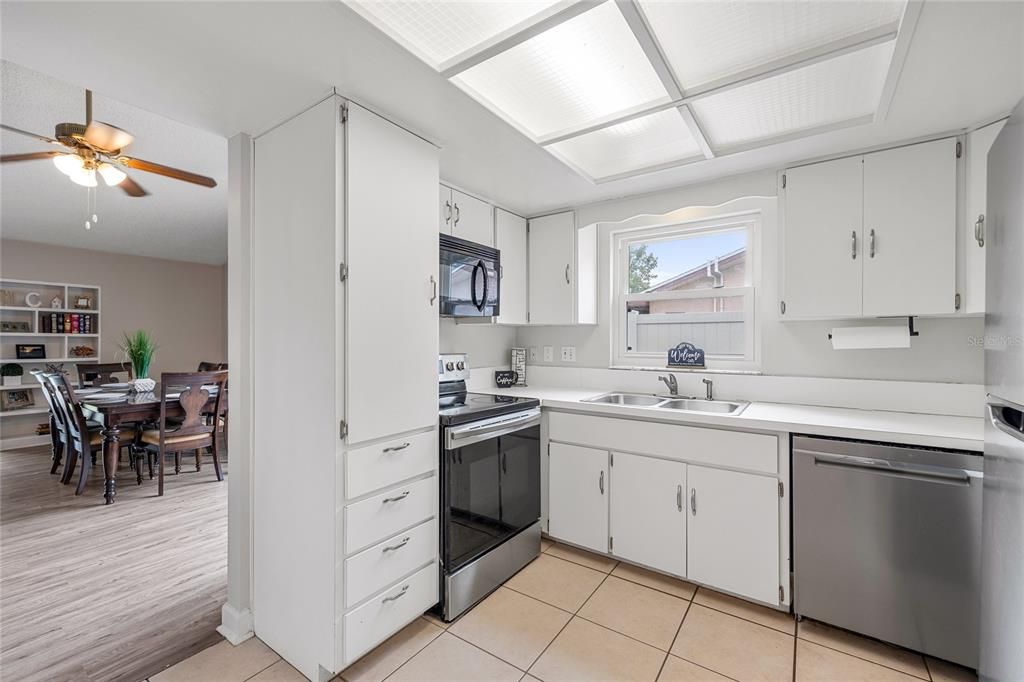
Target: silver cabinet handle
(397, 498)
(979, 229)
(679, 497)
(871, 244)
(385, 600)
(458, 214)
(853, 239)
(448, 215)
(400, 545)
(693, 501)
(433, 287)
(567, 275)
(396, 448)
(600, 483)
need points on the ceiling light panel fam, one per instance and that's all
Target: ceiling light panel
(825, 93)
(707, 41)
(578, 72)
(641, 143)
(439, 31)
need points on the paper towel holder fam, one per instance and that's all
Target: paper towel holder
(910, 324)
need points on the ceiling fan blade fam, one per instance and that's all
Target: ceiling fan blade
(132, 188)
(167, 171)
(31, 156)
(107, 137)
(41, 138)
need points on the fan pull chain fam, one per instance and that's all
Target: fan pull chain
(90, 208)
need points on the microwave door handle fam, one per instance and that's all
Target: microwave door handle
(472, 286)
(483, 302)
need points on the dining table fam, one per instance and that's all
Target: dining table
(133, 408)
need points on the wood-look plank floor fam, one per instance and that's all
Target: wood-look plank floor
(95, 592)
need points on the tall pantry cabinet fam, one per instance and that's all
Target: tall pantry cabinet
(345, 354)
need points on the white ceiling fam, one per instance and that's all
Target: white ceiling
(179, 221)
(229, 67)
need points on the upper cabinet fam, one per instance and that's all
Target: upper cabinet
(563, 271)
(510, 238)
(872, 235)
(466, 217)
(978, 144)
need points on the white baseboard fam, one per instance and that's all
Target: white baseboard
(235, 625)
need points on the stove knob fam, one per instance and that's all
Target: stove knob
(461, 365)
(450, 366)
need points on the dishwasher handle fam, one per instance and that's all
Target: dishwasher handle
(921, 472)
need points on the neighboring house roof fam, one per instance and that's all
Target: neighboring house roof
(699, 272)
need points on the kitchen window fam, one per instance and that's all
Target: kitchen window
(687, 282)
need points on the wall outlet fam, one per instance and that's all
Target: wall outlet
(533, 353)
(549, 353)
(568, 353)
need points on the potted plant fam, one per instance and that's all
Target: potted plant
(11, 373)
(139, 349)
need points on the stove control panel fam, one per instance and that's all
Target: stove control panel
(452, 367)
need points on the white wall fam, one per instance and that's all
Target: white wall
(487, 345)
(943, 352)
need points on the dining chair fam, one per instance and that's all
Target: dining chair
(205, 366)
(190, 430)
(103, 373)
(57, 435)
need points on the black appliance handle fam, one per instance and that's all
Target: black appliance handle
(472, 284)
(483, 303)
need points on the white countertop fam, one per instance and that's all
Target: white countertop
(964, 433)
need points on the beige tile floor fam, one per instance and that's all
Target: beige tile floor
(575, 616)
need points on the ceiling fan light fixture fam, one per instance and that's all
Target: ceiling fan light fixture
(86, 177)
(111, 174)
(68, 164)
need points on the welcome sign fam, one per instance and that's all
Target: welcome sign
(685, 355)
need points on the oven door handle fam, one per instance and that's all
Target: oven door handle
(467, 435)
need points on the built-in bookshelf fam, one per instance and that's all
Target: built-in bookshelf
(60, 321)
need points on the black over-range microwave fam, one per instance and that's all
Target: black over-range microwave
(470, 278)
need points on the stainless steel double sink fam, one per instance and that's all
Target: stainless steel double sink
(723, 407)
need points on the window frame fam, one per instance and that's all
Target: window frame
(750, 222)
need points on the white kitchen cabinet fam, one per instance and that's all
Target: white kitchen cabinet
(732, 538)
(824, 247)
(334, 188)
(465, 216)
(978, 144)
(578, 495)
(511, 239)
(647, 518)
(562, 271)
(910, 230)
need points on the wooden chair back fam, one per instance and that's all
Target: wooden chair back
(103, 373)
(193, 391)
(56, 421)
(205, 366)
(70, 410)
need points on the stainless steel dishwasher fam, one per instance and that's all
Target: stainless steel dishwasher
(887, 542)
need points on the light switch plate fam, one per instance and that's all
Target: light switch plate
(533, 353)
(549, 353)
(568, 353)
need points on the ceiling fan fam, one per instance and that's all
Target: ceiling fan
(95, 148)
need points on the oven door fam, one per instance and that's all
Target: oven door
(491, 484)
(469, 278)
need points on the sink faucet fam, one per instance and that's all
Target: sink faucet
(710, 389)
(670, 381)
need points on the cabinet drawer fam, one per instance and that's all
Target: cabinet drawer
(753, 451)
(378, 466)
(388, 612)
(372, 569)
(383, 515)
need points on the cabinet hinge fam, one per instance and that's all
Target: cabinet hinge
(956, 302)
(782, 307)
(342, 272)
(611, 459)
(343, 113)
(611, 543)
(783, 181)
(959, 149)
(782, 594)
(342, 429)
(782, 490)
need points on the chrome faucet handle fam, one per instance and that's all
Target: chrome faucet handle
(670, 381)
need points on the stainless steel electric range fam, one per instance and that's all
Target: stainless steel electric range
(490, 487)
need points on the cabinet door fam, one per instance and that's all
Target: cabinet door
(472, 219)
(978, 144)
(823, 252)
(647, 518)
(910, 230)
(552, 242)
(510, 239)
(391, 319)
(444, 212)
(733, 532)
(578, 491)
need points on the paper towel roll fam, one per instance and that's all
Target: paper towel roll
(861, 338)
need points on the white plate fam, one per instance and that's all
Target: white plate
(106, 395)
(116, 385)
(87, 391)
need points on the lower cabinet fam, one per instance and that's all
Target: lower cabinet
(733, 532)
(647, 517)
(578, 505)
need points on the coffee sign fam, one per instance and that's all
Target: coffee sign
(685, 355)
